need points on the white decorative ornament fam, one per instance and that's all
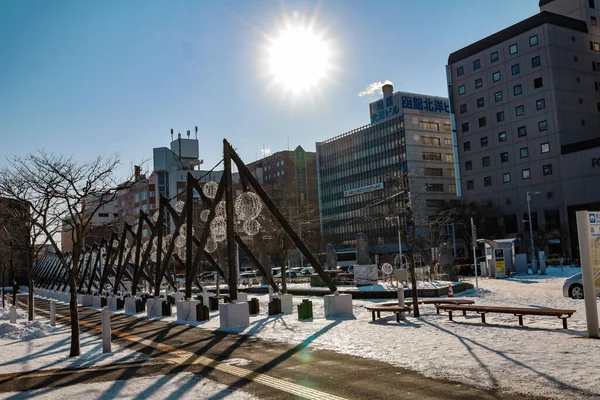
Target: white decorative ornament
(153, 256)
(166, 241)
(221, 209)
(218, 229)
(251, 227)
(183, 230)
(204, 215)
(182, 253)
(155, 242)
(210, 245)
(179, 206)
(387, 269)
(210, 189)
(154, 216)
(115, 244)
(247, 206)
(180, 241)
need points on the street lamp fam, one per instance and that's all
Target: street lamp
(533, 260)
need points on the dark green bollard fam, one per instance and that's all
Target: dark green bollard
(275, 306)
(253, 306)
(305, 310)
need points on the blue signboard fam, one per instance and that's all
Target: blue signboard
(391, 106)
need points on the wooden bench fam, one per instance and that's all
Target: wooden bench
(516, 311)
(438, 302)
(396, 309)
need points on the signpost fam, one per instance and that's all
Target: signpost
(588, 230)
(474, 240)
(500, 265)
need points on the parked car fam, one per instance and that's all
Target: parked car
(573, 287)
(305, 271)
(290, 274)
(248, 275)
(345, 268)
(180, 277)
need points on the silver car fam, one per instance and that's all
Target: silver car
(573, 287)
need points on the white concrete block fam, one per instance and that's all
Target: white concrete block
(178, 296)
(186, 310)
(287, 305)
(111, 302)
(242, 297)
(154, 307)
(205, 297)
(130, 304)
(87, 300)
(96, 301)
(338, 305)
(234, 315)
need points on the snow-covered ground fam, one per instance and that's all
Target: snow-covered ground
(27, 346)
(538, 359)
(179, 386)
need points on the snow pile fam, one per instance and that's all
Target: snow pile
(181, 386)
(24, 330)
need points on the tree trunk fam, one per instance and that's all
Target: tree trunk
(75, 351)
(283, 278)
(30, 282)
(413, 280)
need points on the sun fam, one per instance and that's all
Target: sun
(298, 58)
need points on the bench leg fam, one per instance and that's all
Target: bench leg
(373, 314)
(450, 315)
(464, 313)
(564, 323)
(378, 314)
(520, 319)
(397, 317)
(437, 310)
(483, 318)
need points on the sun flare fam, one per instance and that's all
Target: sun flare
(298, 58)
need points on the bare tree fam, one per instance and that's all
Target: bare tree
(61, 190)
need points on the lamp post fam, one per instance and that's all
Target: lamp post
(399, 235)
(300, 232)
(533, 259)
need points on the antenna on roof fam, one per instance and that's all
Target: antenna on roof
(188, 133)
(196, 131)
(171, 134)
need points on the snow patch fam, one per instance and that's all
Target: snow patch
(237, 361)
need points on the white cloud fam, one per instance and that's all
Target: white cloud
(373, 88)
(265, 151)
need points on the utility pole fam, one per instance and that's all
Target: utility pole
(474, 240)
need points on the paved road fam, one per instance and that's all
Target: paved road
(277, 370)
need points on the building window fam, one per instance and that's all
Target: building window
(136, 198)
(430, 141)
(578, 80)
(524, 152)
(452, 188)
(543, 126)
(478, 83)
(480, 102)
(449, 157)
(592, 3)
(463, 108)
(482, 122)
(547, 169)
(448, 141)
(519, 110)
(536, 62)
(510, 223)
(484, 141)
(596, 86)
(461, 89)
(498, 96)
(533, 41)
(144, 195)
(470, 185)
(468, 165)
(552, 219)
(433, 172)
(506, 177)
(517, 90)
(504, 157)
(476, 64)
(598, 106)
(502, 137)
(460, 71)
(496, 76)
(513, 49)
(465, 127)
(487, 181)
(521, 131)
(545, 147)
(594, 21)
(525, 173)
(540, 104)
(494, 57)
(435, 187)
(515, 69)
(575, 58)
(429, 126)
(500, 116)
(485, 161)
(451, 172)
(583, 122)
(103, 215)
(432, 156)
(467, 146)
(538, 83)
(596, 46)
(550, 195)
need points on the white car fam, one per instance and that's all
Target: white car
(573, 287)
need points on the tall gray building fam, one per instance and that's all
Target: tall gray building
(525, 106)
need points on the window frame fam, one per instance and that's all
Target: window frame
(520, 90)
(541, 80)
(487, 181)
(547, 144)
(526, 152)
(535, 60)
(536, 40)
(486, 161)
(540, 104)
(518, 69)
(519, 131)
(468, 165)
(496, 96)
(504, 175)
(523, 174)
(470, 185)
(510, 49)
(500, 116)
(494, 57)
(545, 125)
(461, 90)
(497, 73)
(546, 168)
(482, 140)
(502, 135)
(504, 158)
(482, 102)
(476, 64)
(520, 110)
(478, 83)
(467, 145)
(460, 71)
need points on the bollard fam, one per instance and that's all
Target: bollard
(401, 300)
(270, 294)
(13, 314)
(52, 313)
(305, 310)
(105, 330)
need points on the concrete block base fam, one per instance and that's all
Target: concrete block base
(339, 305)
(87, 300)
(287, 305)
(154, 307)
(130, 305)
(96, 302)
(186, 310)
(242, 297)
(234, 315)
(178, 296)
(111, 302)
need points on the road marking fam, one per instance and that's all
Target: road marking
(188, 358)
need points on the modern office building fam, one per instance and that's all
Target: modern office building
(525, 103)
(409, 133)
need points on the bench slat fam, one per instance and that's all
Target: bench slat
(507, 310)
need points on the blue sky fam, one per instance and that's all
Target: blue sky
(90, 78)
